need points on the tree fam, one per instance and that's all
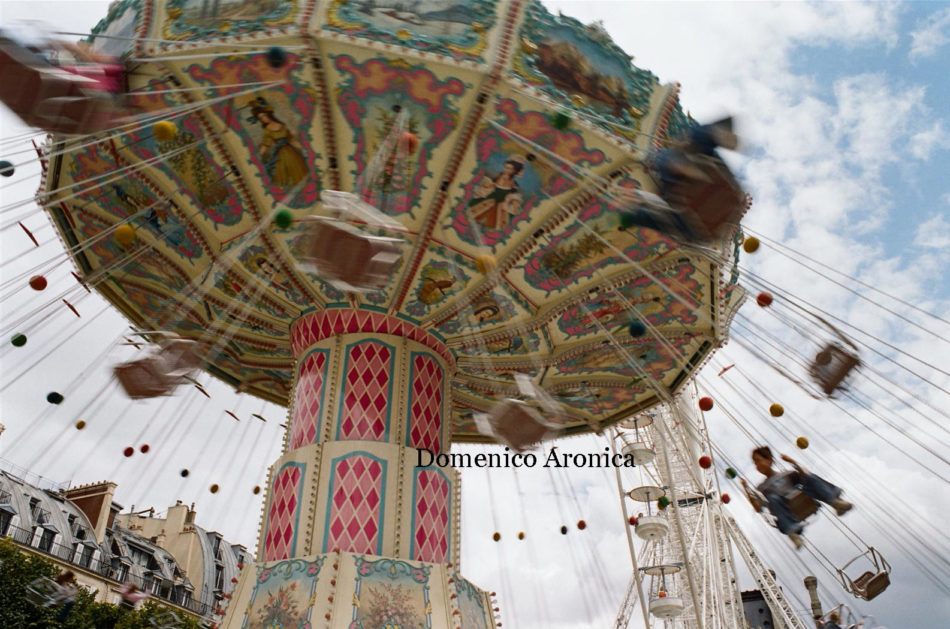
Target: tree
(19, 569)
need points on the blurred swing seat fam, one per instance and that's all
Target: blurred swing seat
(81, 99)
(831, 366)
(801, 504)
(711, 199)
(44, 592)
(345, 256)
(158, 374)
(165, 620)
(520, 424)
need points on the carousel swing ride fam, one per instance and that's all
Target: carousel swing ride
(412, 230)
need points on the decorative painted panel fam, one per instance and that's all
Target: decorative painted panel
(274, 126)
(614, 309)
(198, 19)
(584, 247)
(424, 422)
(389, 594)
(458, 28)
(579, 64)
(116, 32)
(473, 610)
(190, 159)
(308, 398)
(356, 504)
(509, 181)
(283, 595)
(283, 515)
(431, 500)
(368, 92)
(367, 392)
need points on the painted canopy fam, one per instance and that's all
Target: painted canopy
(530, 126)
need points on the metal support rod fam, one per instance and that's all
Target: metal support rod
(626, 517)
(679, 530)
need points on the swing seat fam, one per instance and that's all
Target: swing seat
(801, 504)
(181, 358)
(53, 98)
(517, 424)
(869, 584)
(521, 423)
(831, 366)
(714, 201)
(43, 592)
(166, 620)
(143, 378)
(159, 373)
(348, 258)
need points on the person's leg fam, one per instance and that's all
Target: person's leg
(784, 518)
(669, 222)
(819, 489)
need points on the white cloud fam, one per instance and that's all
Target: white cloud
(934, 233)
(925, 142)
(931, 35)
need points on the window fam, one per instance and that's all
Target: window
(34, 503)
(123, 575)
(5, 519)
(46, 540)
(85, 559)
(139, 556)
(218, 578)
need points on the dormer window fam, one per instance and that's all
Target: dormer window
(46, 540)
(85, 557)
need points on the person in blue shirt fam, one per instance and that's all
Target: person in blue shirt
(774, 490)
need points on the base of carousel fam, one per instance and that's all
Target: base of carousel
(351, 591)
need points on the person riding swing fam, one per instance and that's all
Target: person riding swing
(778, 487)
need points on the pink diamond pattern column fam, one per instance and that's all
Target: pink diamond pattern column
(280, 540)
(430, 517)
(357, 489)
(425, 403)
(308, 399)
(365, 405)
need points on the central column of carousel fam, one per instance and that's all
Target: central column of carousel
(353, 534)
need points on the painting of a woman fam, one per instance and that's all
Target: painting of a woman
(283, 159)
(497, 199)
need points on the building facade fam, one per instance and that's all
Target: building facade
(81, 529)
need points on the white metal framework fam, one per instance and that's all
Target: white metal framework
(685, 577)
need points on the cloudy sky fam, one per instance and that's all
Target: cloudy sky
(844, 114)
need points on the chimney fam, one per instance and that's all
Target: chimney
(175, 518)
(94, 500)
(811, 584)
